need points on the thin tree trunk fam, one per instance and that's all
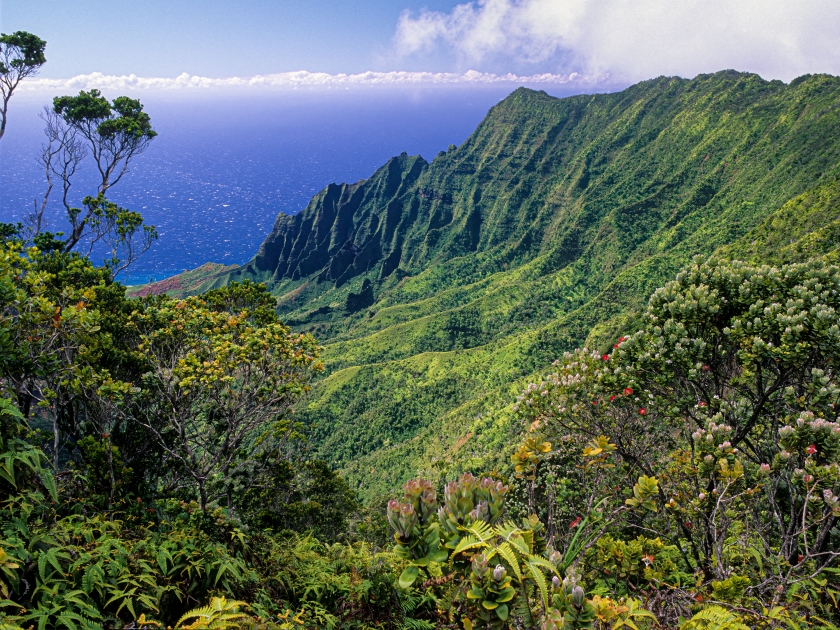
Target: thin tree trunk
(56, 441)
(202, 493)
(110, 472)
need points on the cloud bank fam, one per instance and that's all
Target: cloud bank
(304, 79)
(635, 39)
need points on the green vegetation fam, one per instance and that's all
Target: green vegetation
(437, 288)
(153, 473)
(696, 462)
(150, 459)
(169, 460)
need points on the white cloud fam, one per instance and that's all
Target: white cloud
(301, 79)
(635, 39)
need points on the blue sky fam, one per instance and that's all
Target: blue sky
(215, 38)
(620, 39)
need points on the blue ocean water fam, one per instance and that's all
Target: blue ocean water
(224, 165)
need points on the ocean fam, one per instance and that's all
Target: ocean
(224, 165)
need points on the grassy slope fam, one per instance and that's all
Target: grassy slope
(545, 230)
(184, 284)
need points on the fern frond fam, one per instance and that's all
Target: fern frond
(506, 530)
(468, 542)
(216, 614)
(542, 562)
(539, 578)
(417, 624)
(518, 542)
(510, 557)
(714, 618)
(481, 530)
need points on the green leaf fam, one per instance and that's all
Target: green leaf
(506, 594)
(42, 567)
(52, 557)
(539, 578)
(468, 542)
(408, 576)
(48, 480)
(542, 562)
(502, 612)
(519, 543)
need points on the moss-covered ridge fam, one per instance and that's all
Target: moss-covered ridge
(440, 285)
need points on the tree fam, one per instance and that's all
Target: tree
(283, 493)
(116, 132)
(42, 338)
(21, 56)
(113, 133)
(218, 388)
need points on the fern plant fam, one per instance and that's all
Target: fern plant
(220, 613)
(714, 618)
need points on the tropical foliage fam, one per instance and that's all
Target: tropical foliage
(709, 446)
(159, 455)
(138, 441)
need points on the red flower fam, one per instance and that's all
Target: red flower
(811, 449)
(701, 404)
(606, 357)
(574, 523)
(705, 368)
(642, 411)
(628, 391)
(615, 345)
(623, 339)
(612, 398)
(800, 558)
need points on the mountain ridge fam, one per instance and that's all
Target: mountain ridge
(438, 287)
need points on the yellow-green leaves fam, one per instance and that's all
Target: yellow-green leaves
(597, 451)
(220, 379)
(527, 457)
(644, 493)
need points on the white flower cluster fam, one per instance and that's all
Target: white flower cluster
(712, 431)
(807, 420)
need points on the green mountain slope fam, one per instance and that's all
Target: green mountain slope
(437, 288)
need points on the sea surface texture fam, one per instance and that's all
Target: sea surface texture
(224, 165)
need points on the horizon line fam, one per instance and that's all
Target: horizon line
(304, 78)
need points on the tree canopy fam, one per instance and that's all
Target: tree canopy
(21, 56)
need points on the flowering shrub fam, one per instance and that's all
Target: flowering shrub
(721, 419)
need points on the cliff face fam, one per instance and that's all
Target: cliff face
(436, 287)
(544, 174)
(346, 230)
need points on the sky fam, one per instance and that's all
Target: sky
(260, 103)
(174, 44)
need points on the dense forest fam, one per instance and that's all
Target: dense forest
(632, 421)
